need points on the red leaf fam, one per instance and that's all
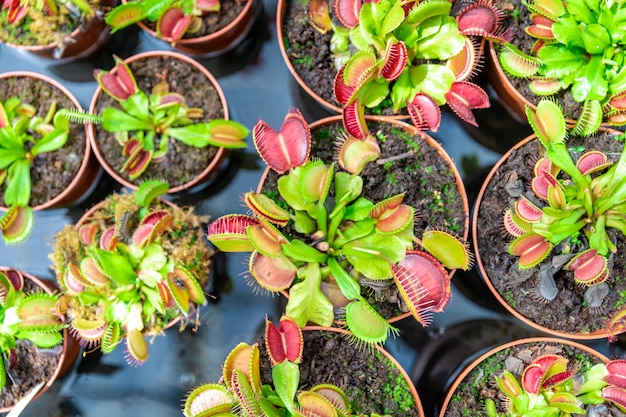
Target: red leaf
(353, 116)
(173, 24)
(424, 111)
(287, 148)
(394, 60)
(347, 12)
(464, 97)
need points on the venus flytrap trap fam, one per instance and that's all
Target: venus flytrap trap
(550, 386)
(135, 266)
(28, 316)
(240, 392)
(146, 122)
(24, 136)
(414, 54)
(578, 47)
(174, 18)
(329, 236)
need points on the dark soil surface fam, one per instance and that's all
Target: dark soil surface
(568, 311)
(371, 382)
(524, 42)
(33, 365)
(182, 162)
(51, 172)
(214, 21)
(480, 384)
(309, 53)
(424, 176)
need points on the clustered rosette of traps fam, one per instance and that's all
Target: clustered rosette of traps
(131, 269)
(241, 392)
(321, 235)
(416, 55)
(577, 204)
(578, 47)
(551, 386)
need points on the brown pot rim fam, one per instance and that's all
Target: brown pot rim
(384, 352)
(598, 334)
(544, 339)
(280, 15)
(430, 141)
(217, 159)
(85, 164)
(193, 44)
(69, 352)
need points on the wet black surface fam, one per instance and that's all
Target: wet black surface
(257, 84)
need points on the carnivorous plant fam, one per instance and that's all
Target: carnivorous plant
(415, 54)
(24, 136)
(146, 122)
(174, 18)
(135, 265)
(577, 204)
(241, 393)
(550, 386)
(578, 47)
(41, 22)
(327, 236)
(25, 315)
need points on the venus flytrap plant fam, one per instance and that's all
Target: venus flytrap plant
(44, 21)
(414, 54)
(331, 236)
(146, 122)
(174, 18)
(241, 393)
(581, 201)
(131, 270)
(25, 315)
(550, 386)
(578, 47)
(24, 136)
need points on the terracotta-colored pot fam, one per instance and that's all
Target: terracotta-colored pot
(385, 353)
(431, 142)
(89, 170)
(212, 166)
(219, 42)
(533, 340)
(70, 349)
(497, 226)
(332, 106)
(84, 41)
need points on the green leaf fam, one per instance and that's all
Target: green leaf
(373, 93)
(9, 139)
(289, 189)
(154, 258)
(286, 377)
(591, 85)
(385, 247)
(115, 120)
(401, 91)
(347, 188)
(8, 156)
(596, 38)
(300, 251)
(580, 11)
(115, 266)
(307, 303)
(392, 18)
(440, 38)
(42, 339)
(150, 190)
(432, 79)
(349, 287)
(138, 105)
(359, 210)
(52, 141)
(567, 32)
(18, 190)
(196, 135)
(558, 61)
